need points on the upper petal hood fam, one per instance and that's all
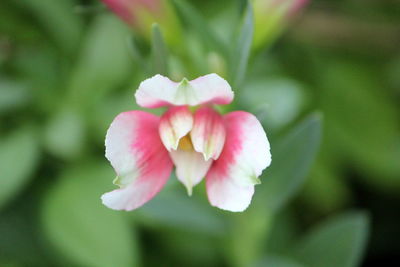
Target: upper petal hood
(208, 133)
(160, 91)
(230, 181)
(134, 148)
(175, 124)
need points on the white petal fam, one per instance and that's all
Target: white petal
(211, 88)
(190, 167)
(156, 91)
(227, 195)
(175, 124)
(160, 91)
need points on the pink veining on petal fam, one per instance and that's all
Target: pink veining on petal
(220, 100)
(234, 142)
(134, 148)
(158, 104)
(208, 133)
(230, 181)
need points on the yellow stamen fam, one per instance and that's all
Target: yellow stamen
(185, 143)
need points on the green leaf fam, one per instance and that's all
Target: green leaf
(338, 242)
(365, 129)
(104, 62)
(283, 230)
(275, 100)
(175, 210)
(188, 248)
(326, 189)
(241, 53)
(159, 51)
(277, 261)
(20, 242)
(65, 134)
(13, 95)
(199, 25)
(83, 230)
(59, 20)
(19, 154)
(292, 158)
(138, 55)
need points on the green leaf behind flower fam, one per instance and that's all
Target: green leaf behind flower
(292, 158)
(241, 52)
(159, 51)
(19, 154)
(338, 242)
(82, 230)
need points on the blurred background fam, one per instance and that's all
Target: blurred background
(323, 76)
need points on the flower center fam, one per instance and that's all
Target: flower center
(185, 143)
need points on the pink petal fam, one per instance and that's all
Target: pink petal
(122, 8)
(175, 124)
(143, 166)
(191, 167)
(160, 91)
(231, 179)
(208, 133)
(128, 10)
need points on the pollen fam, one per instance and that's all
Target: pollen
(185, 143)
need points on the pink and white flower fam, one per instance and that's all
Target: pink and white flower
(230, 151)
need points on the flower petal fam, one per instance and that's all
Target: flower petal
(131, 11)
(160, 91)
(231, 179)
(190, 167)
(208, 133)
(175, 124)
(143, 166)
(211, 88)
(156, 91)
(121, 8)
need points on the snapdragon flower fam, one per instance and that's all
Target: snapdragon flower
(230, 151)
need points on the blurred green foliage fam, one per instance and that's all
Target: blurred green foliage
(80, 227)
(327, 93)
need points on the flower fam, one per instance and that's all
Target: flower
(271, 17)
(231, 151)
(141, 14)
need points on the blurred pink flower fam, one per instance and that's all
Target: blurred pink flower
(271, 17)
(141, 14)
(231, 151)
(128, 9)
